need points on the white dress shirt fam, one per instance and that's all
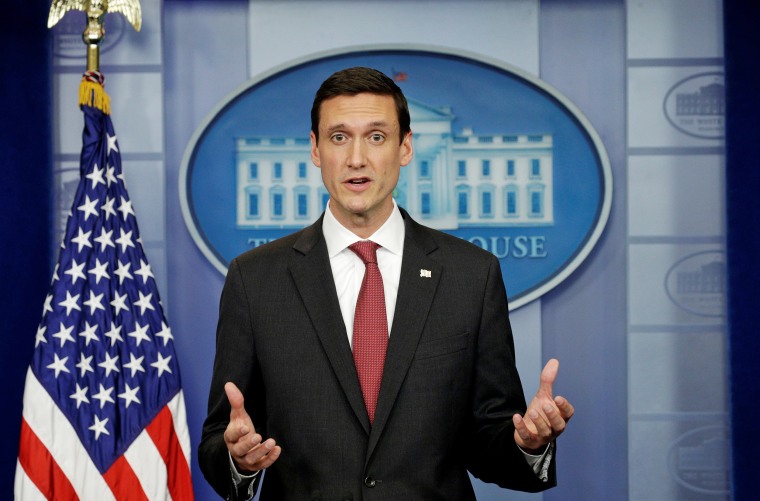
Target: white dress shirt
(348, 268)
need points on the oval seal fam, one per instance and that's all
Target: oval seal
(501, 159)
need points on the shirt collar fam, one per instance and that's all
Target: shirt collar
(389, 236)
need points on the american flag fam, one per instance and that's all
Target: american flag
(104, 415)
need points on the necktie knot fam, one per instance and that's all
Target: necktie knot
(366, 250)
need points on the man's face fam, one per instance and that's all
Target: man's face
(360, 157)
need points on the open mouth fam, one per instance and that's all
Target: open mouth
(358, 181)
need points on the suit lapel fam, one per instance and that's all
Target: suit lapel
(415, 295)
(312, 274)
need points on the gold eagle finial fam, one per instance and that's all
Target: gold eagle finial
(96, 9)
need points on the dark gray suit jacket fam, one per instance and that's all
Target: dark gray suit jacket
(449, 389)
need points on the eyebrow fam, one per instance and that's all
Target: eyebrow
(376, 124)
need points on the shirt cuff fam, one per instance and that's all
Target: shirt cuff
(540, 463)
(242, 481)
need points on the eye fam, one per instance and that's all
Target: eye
(377, 138)
(338, 137)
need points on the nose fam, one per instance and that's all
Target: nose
(357, 157)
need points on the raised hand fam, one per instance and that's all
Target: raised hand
(546, 417)
(248, 452)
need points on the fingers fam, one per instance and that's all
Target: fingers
(256, 458)
(243, 443)
(566, 410)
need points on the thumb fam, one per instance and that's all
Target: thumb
(235, 397)
(548, 376)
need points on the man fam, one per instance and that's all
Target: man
(450, 399)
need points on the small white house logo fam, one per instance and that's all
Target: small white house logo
(696, 105)
(697, 283)
(698, 460)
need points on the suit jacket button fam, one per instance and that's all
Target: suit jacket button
(370, 482)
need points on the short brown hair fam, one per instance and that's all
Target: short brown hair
(357, 80)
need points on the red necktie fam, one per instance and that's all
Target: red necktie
(370, 339)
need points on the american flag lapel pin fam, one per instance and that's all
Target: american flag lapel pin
(425, 273)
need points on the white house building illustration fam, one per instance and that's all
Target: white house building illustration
(454, 181)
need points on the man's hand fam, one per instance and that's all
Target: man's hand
(244, 444)
(546, 416)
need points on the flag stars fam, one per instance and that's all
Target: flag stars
(75, 271)
(110, 364)
(108, 209)
(104, 395)
(140, 333)
(162, 364)
(119, 302)
(89, 333)
(112, 145)
(84, 365)
(105, 239)
(125, 208)
(144, 302)
(80, 395)
(130, 395)
(40, 336)
(48, 306)
(82, 239)
(165, 333)
(64, 334)
(71, 303)
(125, 240)
(123, 272)
(110, 175)
(96, 176)
(59, 365)
(144, 271)
(99, 427)
(88, 208)
(135, 364)
(115, 333)
(94, 302)
(99, 270)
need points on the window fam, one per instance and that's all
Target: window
(277, 205)
(461, 168)
(510, 168)
(485, 200)
(462, 204)
(277, 171)
(253, 205)
(253, 170)
(485, 203)
(486, 165)
(536, 203)
(535, 168)
(277, 202)
(425, 203)
(302, 205)
(511, 201)
(301, 170)
(424, 169)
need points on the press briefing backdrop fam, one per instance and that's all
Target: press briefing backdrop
(639, 325)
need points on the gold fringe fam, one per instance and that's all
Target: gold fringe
(93, 94)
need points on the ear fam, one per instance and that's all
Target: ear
(314, 150)
(407, 151)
